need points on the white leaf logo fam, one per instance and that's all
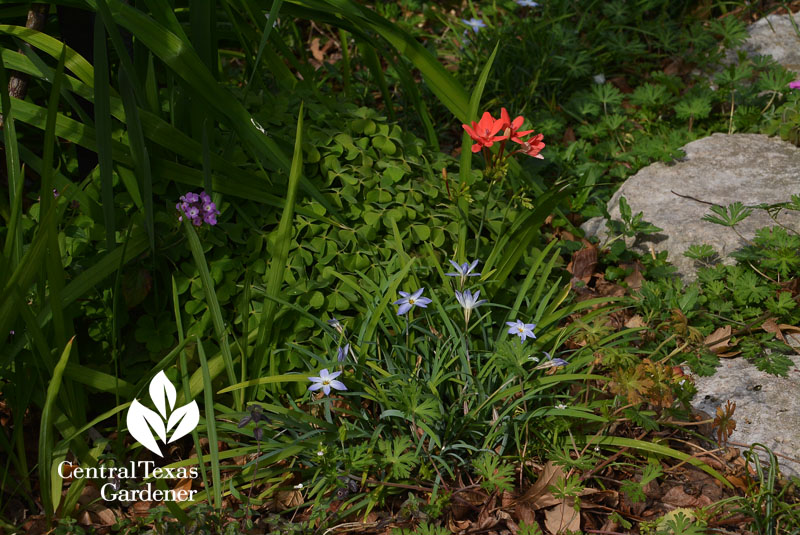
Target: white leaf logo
(145, 425)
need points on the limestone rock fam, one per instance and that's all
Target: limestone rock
(720, 169)
(767, 407)
(774, 36)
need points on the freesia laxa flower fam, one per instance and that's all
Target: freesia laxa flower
(794, 85)
(484, 132)
(533, 146)
(512, 127)
(326, 381)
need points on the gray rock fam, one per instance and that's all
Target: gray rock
(774, 36)
(720, 169)
(767, 407)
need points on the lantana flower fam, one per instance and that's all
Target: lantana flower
(475, 24)
(521, 329)
(326, 381)
(199, 208)
(408, 301)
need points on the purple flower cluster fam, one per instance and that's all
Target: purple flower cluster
(198, 208)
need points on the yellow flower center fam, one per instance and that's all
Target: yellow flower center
(521, 329)
(410, 301)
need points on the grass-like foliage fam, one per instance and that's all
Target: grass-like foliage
(344, 229)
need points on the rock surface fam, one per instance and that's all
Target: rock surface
(774, 36)
(767, 407)
(720, 169)
(723, 169)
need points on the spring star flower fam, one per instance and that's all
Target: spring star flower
(463, 271)
(552, 363)
(468, 301)
(326, 381)
(484, 132)
(523, 330)
(409, 301)
(475, 24)
(341, 352)
(527, 3)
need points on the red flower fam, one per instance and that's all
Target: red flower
(484, 132)
(512, 127)
(533, 146)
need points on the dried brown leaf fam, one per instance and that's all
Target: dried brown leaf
(719, 340)
(583, 264)
(562, 518)
(635, 279)
(538, 496)
(635, 322)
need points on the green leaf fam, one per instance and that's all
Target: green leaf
(51, 488)
(211, 426)
(283, 239)
(102, 122)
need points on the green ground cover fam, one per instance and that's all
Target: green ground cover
(300, 217)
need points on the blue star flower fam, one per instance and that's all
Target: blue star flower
(475, 24)
(523, 330)
(326, 381)
(409, 301)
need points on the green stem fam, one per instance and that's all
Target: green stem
(483, 218)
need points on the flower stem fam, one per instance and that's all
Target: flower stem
(483, 217)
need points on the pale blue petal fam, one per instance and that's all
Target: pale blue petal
(338, 385)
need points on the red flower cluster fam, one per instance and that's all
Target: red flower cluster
(489, 131)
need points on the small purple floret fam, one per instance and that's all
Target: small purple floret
(198, 208)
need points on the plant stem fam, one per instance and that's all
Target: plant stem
(483, 218)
